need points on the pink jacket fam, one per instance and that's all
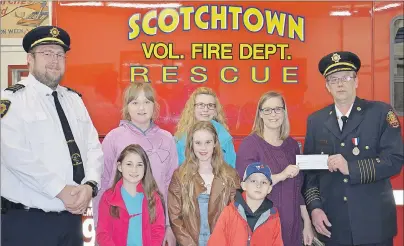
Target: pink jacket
(112, 231)
(159, 145)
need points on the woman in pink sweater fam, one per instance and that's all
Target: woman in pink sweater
(140, 109)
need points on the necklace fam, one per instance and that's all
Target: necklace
(207, 182)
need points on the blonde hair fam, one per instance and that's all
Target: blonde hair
(190, 168)
(132, 92)
(187, 118)
(258, 126)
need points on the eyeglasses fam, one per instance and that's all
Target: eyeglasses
(343, 80)
(268, 111)
(210, 106)
(50, 55)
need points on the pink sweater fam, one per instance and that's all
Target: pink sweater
(114, 231)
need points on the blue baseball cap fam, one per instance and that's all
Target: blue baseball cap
(257, 167)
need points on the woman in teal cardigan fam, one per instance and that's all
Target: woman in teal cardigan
(203, 105)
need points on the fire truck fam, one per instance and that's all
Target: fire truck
(239, 49)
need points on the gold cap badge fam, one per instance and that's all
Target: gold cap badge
(54, 32)
(335, 57)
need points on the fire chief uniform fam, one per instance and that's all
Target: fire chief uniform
(36, 163)
(360, 206)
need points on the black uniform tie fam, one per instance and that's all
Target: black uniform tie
(78, 169)
(344, 120)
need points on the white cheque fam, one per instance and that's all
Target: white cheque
(310, 162)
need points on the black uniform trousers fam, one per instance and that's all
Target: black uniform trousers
(386, 243)
(34, 227)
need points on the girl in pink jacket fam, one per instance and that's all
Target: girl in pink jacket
(131, 212)
(137, 126)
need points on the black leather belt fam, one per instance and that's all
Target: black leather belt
(9, 205)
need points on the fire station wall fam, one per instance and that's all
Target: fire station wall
(11, 54)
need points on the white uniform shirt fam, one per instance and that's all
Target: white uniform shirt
(339, 115)
(35, 159)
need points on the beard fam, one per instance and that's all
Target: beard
(49, 79)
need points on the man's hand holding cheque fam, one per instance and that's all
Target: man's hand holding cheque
(338, 163)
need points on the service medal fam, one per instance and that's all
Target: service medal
(355, 151)
(355, 142)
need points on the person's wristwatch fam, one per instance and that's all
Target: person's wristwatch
(94, 187)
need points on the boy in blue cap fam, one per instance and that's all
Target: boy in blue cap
(251, 219)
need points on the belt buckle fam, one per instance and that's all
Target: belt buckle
(26, 208)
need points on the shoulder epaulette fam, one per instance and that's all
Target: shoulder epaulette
(70, 89)
(15, 87)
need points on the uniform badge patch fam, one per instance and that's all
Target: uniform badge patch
(4, 106)
(392, 119)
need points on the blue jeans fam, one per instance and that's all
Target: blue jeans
(204, 233)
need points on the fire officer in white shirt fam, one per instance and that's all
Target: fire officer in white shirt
(51, 157)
